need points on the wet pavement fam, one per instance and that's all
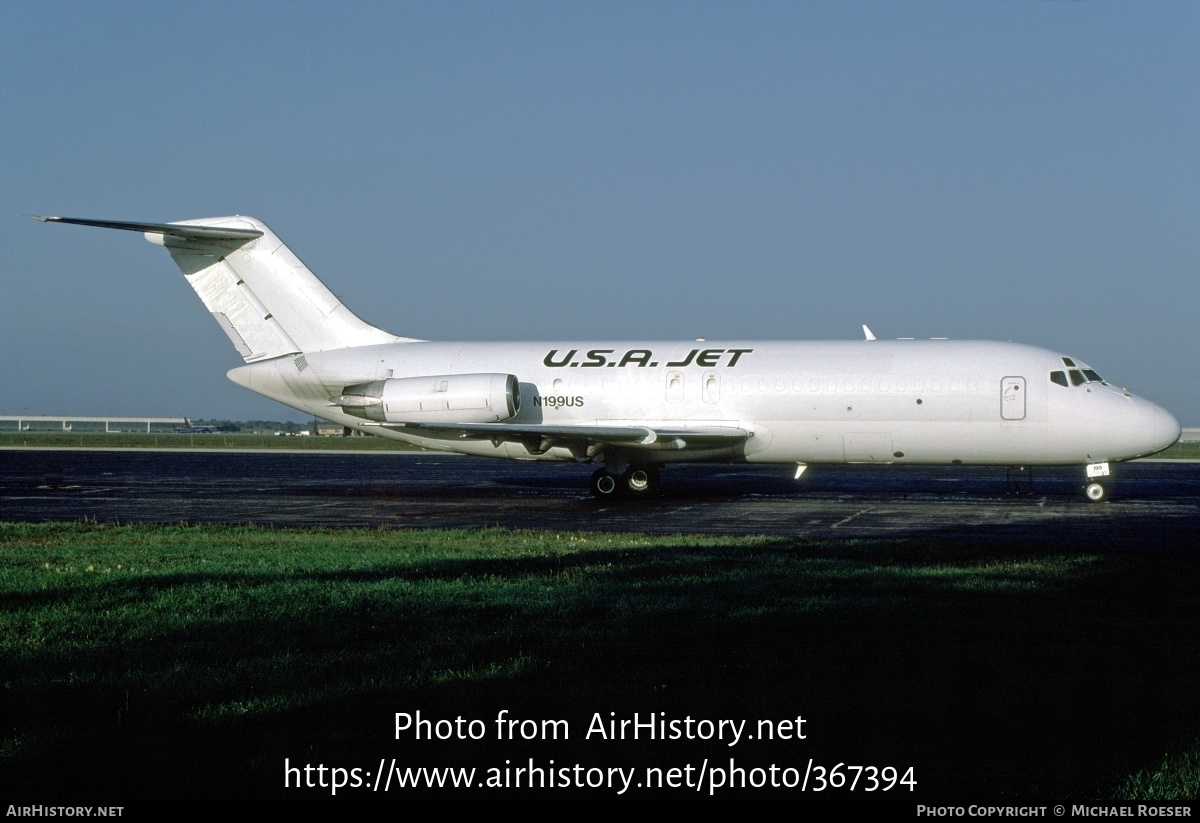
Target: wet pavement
(1153, 503)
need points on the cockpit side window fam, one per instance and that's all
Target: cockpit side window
(1068, 362)
(1077, 378)
(1092, 377)
(1059, 378)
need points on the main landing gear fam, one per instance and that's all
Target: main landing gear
(635, 480)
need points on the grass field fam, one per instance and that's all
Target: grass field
(166, 662)
(130, 440)
(1189, 450)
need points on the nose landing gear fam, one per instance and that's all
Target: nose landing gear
(1095, 488)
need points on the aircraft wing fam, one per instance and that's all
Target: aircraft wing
(540, 438)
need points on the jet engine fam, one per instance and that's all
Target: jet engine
(440, 398)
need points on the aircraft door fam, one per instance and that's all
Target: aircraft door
(711, 387)
(1012, 398)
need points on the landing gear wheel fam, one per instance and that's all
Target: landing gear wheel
(604, 485)
(640, 479)
(1095, 492)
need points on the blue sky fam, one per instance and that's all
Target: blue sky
(1002, 170)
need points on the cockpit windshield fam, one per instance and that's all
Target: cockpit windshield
(1075, 375)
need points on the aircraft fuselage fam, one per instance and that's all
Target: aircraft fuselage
(880, 401)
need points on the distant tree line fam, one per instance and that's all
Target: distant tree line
(252, 425)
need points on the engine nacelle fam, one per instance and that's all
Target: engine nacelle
(437, 398)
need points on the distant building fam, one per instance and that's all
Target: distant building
(67, 423)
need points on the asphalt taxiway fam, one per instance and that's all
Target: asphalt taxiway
(1153, 503)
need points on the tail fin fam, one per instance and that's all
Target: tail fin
(264, 297)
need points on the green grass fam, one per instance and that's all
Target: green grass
(147, 661)
(133, 440)
(1181, 451)
(1177, 776)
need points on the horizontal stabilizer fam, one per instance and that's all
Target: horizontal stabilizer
(171, 229)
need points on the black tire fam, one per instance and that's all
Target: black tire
(640, 479)
(1095, 491)
(605, 485)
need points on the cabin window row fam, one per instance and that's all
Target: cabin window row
(763, 385)
(850, 385)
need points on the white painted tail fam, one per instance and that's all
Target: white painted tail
(264, 297)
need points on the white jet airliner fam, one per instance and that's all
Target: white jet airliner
(633, 406)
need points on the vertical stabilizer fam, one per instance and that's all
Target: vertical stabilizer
(262, 295)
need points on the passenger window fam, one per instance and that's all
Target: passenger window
(1059, 378)
(1077, 377)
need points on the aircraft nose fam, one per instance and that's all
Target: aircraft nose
(1165, 429)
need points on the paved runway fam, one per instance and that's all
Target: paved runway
(1153, 503)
